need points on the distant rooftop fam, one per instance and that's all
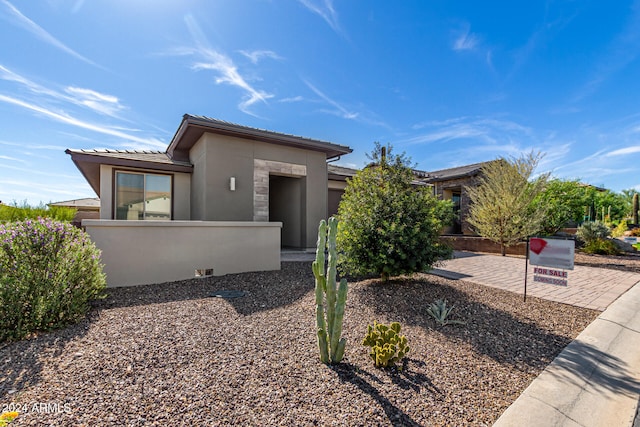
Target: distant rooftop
(453, 173)
(422, 177)
(89, 203)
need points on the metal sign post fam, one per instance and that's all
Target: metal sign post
(526, 270)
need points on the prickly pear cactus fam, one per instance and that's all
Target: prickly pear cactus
(387, 345)
(329, 324)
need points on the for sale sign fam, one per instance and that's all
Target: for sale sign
(554, 253)
(549, 276)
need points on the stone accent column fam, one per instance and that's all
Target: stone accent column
(261, 171)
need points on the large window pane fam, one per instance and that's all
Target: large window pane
(158, 197)
(129, 195)
(143, 196)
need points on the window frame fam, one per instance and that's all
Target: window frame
(114, 189)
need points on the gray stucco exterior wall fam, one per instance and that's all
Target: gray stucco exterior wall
(217, 158)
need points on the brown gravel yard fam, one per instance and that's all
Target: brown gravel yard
(629, 262)
(169, 355)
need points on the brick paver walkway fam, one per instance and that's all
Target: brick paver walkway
(587, 287)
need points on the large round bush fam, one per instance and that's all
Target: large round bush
(389, 226)
(49, 271)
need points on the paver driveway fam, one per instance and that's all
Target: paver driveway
(588, 287)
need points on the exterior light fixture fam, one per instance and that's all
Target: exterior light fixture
(232, 183)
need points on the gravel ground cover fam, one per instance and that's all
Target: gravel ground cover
(629, 262)
(169, 354)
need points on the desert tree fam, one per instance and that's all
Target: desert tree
(501, 203)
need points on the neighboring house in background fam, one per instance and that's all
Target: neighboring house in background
(88, 208)
(451, 184)
(447, 184)
(223, 198)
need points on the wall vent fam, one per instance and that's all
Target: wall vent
(203, 272)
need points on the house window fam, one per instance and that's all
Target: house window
(142, 196)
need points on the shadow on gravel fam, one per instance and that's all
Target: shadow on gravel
(594, 366)
(349, 373)
(21, 361)
(512, 339)
(264, 290)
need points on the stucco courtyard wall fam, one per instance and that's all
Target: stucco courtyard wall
(146, 252)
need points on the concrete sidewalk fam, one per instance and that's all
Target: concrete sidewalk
(588, 287)
(595, 380)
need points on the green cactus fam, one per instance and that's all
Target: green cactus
(635, 209)
(329, 326)
(387, 345)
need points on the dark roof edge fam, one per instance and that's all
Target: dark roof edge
(116, 161)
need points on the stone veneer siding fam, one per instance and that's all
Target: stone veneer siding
(261, 171)
(462, 184)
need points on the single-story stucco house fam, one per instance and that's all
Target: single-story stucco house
(222, 198)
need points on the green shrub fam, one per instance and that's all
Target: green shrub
(388, 226)
(601, 247)
(619, 229)
(15, 212)
(49, 270)
(593, 230)
(387, 345)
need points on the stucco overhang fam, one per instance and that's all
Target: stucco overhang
(193, 127)
(89, 161)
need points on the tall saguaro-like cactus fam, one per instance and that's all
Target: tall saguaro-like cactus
(635, 209)
(329, 327)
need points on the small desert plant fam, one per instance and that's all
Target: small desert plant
(601, 247)
(7, 417)
(329, 329)
(440, 312)
(593, 230)
(620, 229)
(387, 345)
(49, 271)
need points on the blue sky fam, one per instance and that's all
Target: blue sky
(449, 83)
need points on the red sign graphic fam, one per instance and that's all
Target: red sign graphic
(537, 245)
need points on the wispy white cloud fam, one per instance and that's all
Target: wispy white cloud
(466, 40)
(338, 110)
(324, 9)
(226, 71)
(624, 151)
(256, 55)
(49, 192)
(73, 121)
(13, 15)
(489, 130)
(33, 171)
(292, 99)
(13, 159)
(88, 98)
(100, 102)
